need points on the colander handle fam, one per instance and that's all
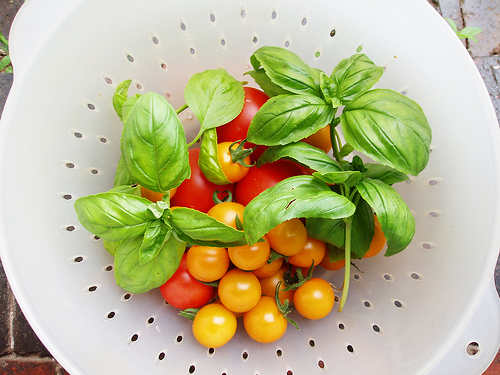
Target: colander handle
(477, 344)
(34, 23)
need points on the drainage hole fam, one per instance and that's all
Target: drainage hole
(151, 320)
(244, 355)
(332, 33)
(161, 356)
(473, 349)
(321, 364)
(179, 338)
(211, 351)
(279, 352)
(341, 326)
(192, 369)
(311, 343)
(134, 337)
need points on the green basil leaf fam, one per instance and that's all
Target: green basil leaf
(295, 197)
(154, 145)
(287, 70)
(271, 89)
(113, 216)
(111, 246)
(396, 219)
(285, 119)
(127, 189)
(154, 237)
(390, 128)
(198, 228)
(384, 173)
(122, 177)
(335, 253)
(139, 278)
(129, 104)
(120, 96)
(332, 231)
(209, 159)
(329, 90)
(346, 178)
(355, 75)
(301, 153)
(346, 150)
(215, 97)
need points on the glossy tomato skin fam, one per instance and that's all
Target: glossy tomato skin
(196, 192)
(265, 323)
(314, 299)
(237, 129)
(214, 325)
(183, 291)
(259, 179)
(233, 171)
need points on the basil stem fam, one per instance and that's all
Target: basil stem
(347, 267)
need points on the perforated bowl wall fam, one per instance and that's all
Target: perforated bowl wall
(60, 141)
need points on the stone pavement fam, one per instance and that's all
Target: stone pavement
(22, 353)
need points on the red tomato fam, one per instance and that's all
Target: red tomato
(236, 130)
(183, 291)
(259, 179)
(196, 192)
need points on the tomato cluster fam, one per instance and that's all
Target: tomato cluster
(258, 282)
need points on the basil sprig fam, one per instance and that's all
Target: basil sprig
(382, 124)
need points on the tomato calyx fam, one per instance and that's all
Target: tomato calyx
(284, 308)
(239, 153)
(227, 198)
(189, 313)
(297, 280)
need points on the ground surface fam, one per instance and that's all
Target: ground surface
(22, 353)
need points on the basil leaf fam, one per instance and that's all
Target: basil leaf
(335, 253)
(111, 246)
(271, 89)
(295, 197)
(287, 70)
(129, 104)
(346, 178)
(390, 128)
(215, 97)
(154, 145)
(155, 236)
(120, 96)
(332, 231)
(209, 159)
(122, 177)
(384, 173)
(396, 219)
(355, 75)
(346, 150)
(198, 228)
(113, 216)
(285, 119)
(329, 90)
(140, 278)
(127, 189)
(301, 153)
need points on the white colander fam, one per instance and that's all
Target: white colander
(432, 309)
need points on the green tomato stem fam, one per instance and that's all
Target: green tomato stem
(335, 143)
(180, 109)
(347, 268)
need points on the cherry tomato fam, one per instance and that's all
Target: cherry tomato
(321, 139)
(154, 196)
(207, 263)
(268, 285)
(250, 257)
(269, 269)
(332, 266)
(226, 212)
(314, 299)
(288, 238)
(265, 323)
(234, 171)
(378, 240)
(196, 192)
(239, 291)
(214, 325)
(237, 129)
(183, 291)
(259, 179)
(313, 250)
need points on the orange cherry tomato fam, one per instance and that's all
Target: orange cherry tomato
(233, 171)
(314, 250)
(269, 283)
(226, 212)
(314, 299)
(288, 238)
(207, 263)
(269, 269)
(155, 196)
(332, 266)
(239, 291)
(265, 323)
(321, 139)
(250, 257)
(378, 240)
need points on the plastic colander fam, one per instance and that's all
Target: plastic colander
(432, 309)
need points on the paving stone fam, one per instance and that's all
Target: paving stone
(489, 68)
(5, 298)
(25, 366)
(26, 342)
(494, 368)
(8, 9)
(5, 85)
(484, 14)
